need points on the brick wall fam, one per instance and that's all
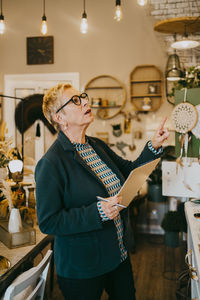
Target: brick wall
(166, 9)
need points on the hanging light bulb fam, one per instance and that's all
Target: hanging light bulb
(2, 24)
(118, 11)
(44, 21)
(142, 2)
(84, 23)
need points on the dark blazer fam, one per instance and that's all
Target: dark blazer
(66, 190)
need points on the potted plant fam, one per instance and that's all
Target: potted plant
(173, 223)
(155, 179)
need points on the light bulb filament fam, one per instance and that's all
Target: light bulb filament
(118, 13)
(44, 25)
(2, 24)
(142, 2)
(84, 24)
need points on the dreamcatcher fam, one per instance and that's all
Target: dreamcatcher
(184, 117)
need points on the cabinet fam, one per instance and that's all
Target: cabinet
(107, 96)
(146, 88)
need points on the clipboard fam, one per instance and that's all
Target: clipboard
(135, 181)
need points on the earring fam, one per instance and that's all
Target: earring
(65, 127)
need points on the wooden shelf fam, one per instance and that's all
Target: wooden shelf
(110, 89)
(146, 82)
(103, 87)
(147, 95)
(106, 107)
(178, 25)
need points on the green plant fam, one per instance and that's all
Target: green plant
(173, 221)
(191, 80)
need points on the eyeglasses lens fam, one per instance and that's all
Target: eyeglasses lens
(76, 100)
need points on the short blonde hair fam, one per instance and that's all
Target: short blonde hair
(52, 100)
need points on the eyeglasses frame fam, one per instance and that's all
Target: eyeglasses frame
(71, 100)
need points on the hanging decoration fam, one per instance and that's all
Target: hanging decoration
(184, 117)
(38, 133)
(32, 108)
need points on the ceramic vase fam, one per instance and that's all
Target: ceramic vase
(15, 221)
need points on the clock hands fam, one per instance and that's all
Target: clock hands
(41, 51)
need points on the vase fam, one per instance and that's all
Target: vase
(15, 221)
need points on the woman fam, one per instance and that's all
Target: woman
(90, 252)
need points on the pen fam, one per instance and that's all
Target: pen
(103, 199)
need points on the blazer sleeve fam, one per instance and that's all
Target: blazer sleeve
(53, 217)
(126, 166)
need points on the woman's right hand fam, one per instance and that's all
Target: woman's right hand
(109, 207)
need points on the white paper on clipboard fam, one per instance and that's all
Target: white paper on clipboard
(135, 181)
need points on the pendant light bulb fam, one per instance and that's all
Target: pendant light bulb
(118, 11)
(142, 2)
(2, 24)
(44, 28)
(84, 24)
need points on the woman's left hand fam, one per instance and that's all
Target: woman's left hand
(160, 135)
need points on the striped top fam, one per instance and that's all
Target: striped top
(110, 181)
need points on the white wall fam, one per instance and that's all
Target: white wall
(109, 47)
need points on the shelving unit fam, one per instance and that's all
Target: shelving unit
(109, 90)
(146, 87)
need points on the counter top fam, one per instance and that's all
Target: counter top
(21, 258)
(14, 255)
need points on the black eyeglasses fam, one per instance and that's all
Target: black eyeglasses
(75, 99)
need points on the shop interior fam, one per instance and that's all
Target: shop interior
(138, 61)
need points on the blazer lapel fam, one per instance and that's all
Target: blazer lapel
(83, 163)
(104, 156)
(67, 145)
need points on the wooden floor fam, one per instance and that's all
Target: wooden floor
(149, 262)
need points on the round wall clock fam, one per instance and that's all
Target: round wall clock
(40, 50)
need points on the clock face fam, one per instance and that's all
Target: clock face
(39, 50)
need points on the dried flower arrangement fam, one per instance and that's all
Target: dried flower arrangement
(14, 199)
(10, 197)
(190, 80)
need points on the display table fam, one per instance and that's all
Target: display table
(22, 259)
(193, 244)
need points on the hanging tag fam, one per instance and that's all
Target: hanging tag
(38, 134)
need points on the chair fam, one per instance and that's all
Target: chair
(30, 284)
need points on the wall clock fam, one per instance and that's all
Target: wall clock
(40, 50)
